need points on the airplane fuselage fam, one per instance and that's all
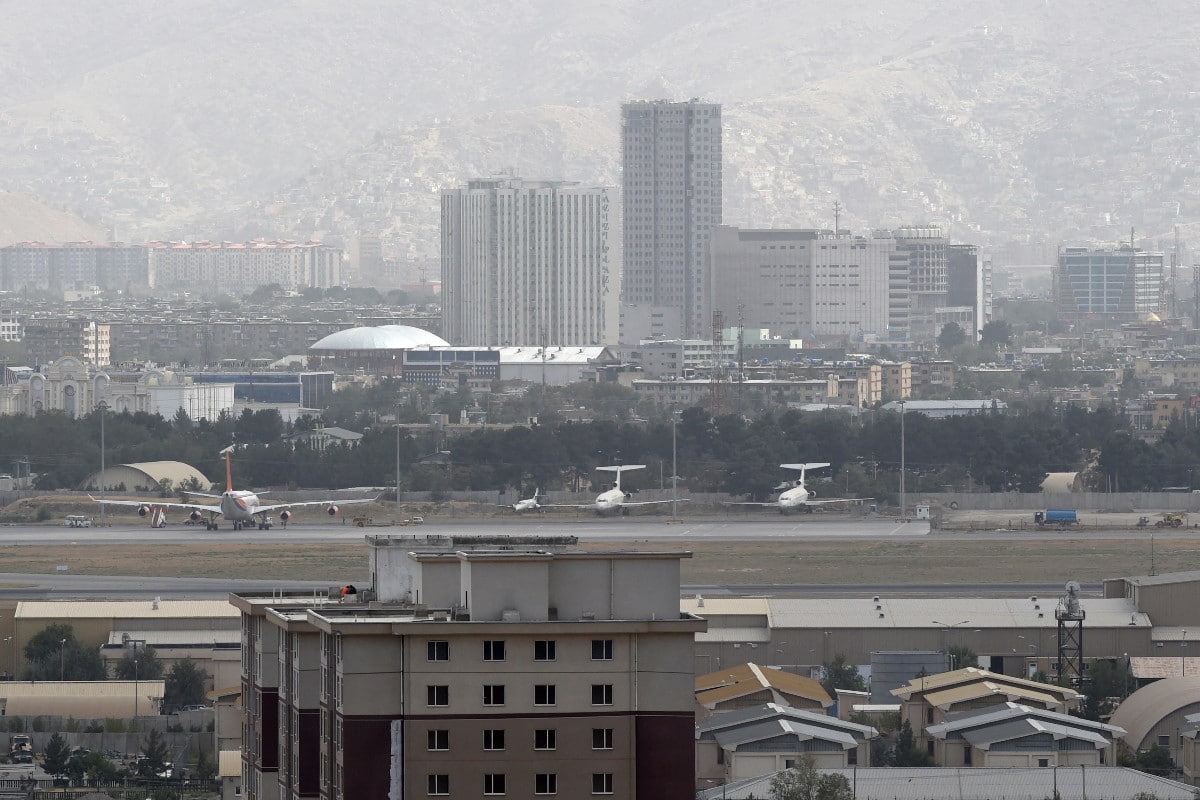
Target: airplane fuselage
(794, 500)
(526, 505)
(239, 506)
(610, 502)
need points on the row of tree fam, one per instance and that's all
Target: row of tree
(54, 654)
(990, 451)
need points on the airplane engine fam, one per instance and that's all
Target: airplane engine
(284, 516)
(811, 494)
(629, 495)
(332, 511)
(195, 516)
(143, 511)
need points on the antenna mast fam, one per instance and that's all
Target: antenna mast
(837, 216)
(1172, 300)
(1070, 616)
(716, 392)
(741, 343)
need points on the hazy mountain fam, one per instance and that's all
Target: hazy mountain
(1028, 120)
(24, 219)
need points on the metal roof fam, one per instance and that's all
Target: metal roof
(734, 635)
(176, 472)
(980, 689)
(744, 679)
(229, 764)
(1165, 579)
(125, 609)
(725, 606)
(551, 355)
(748, 716)
(967, 675)
(979, 783)
(987, 613)
(783, 727)
(1145, 708)
(988, 735)
(992, 716)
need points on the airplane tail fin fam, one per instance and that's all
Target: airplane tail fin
(804, 468)
(228, 473)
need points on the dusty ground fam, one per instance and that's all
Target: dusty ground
(930, 561)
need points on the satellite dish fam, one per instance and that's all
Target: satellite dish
(1072, 587)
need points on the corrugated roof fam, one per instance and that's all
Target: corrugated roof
(979, 783)
(229, 764)
(1145, 708)
(1003, 714)
(931, 683)
(177, 472)
(734, 635)
(719, 606)
(1158, 667)
(921, 613)
(978, 689)
(988, 735)
(125, 609)
(784, 727)
(744, 679)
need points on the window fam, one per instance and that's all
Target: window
(545, 783)
(967, 755)
(437, 650)
(543, 650)
(493, 694)
(439, 784)
(1043, 762)
(929, 716)
(493, 783)
(439, 740)
(437, 695)
(493, 650)
(602, 649)
(1164, 741)
(602, 694)
(602, 738)
(543, 694)
(602, 783)
(545, 739)
(493, 739)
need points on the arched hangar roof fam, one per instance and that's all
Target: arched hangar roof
(1149, 705)
(384, 337)
(147, 473)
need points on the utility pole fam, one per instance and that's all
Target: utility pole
(903, 499)
(102, 407)
(674, 468)
(397, 460)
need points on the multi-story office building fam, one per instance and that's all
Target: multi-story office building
(671, 155)
(969, 284)
(802, 283)
(517, 672)
(528, 262)
(50, 338)
(74, 265)
(1105, 286)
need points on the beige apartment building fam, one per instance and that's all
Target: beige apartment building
(480, 672)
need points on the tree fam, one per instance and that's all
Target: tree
(804, 782)
(907, 752)
(206, 768)
(842, 675)
(139, 664)
(962, 656)
(53, 653)
(155, 754)
(186, 685)
(995, 334)
(952, 336)
(58, 752)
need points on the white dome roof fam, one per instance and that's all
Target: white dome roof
(384, 337)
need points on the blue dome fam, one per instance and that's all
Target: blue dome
(384, 337)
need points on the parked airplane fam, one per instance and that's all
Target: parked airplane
(795, 496)
(615, 500)
(242, 508)
(528, 504)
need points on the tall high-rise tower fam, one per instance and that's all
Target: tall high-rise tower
(528, 262)
(671, 154)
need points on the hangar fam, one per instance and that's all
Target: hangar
(146, 476)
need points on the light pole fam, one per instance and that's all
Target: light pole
(135, 687)
(1183, 652)
(946, 628)
(62, 660)
(397, 512)
(903, 503)
(674, 468)
(12, 652)
(102, 407)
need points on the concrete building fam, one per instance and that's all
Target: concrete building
(1189, 749)
(1098, 287)
(969, 284)
(529, 262)
(478, 671)
(735, 745)
(246, 265)
(671, 188)
(82, 699)
(146, 476)
(1016, 735)
(51, 338)
(802, 283)
(72, 266)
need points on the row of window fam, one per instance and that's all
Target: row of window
(497, 650)
(544, 694)
(496, 783)
(438, 740)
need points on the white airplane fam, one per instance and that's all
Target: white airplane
(242, 508)
(528, 504)
(615, 500)
(795, 495)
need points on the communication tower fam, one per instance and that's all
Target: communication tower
(716, 392)
(1070, 616)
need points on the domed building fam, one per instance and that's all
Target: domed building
(376, 350)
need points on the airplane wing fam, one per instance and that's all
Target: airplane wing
(158, 504)
(202, 494)
(771, 503)
(567, 505)
(841, 500)
(654, 502)
(276, 506)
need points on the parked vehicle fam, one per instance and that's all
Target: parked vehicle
(1171, 520)
(20, 748)
(78, 521)
(1060, 517)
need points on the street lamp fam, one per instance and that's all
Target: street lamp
(62, 660)
(102, 407)
(135, 687)
(674, 468)
(12, 652)
(946, 628)
(903, 503)
(397, 512)
(1183, 652)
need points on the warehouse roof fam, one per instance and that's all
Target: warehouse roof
(177, 472)
(978, 690)
(1149, 705)
(979, 783)
(930, 684)
(923, 612)
(717, 687)
(1165, 579)
(124, 609)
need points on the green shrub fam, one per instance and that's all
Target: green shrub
(114, 725)
(39, 725)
